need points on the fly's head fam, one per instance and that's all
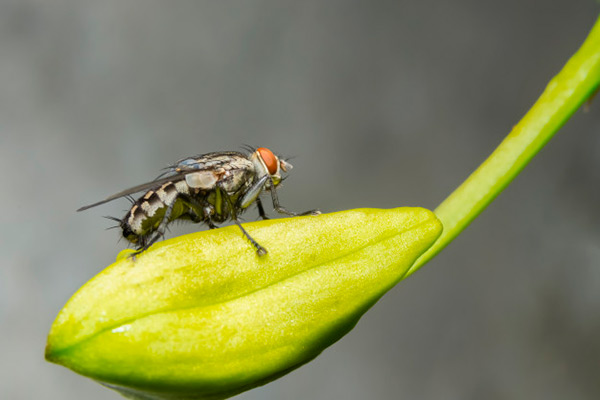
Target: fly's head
(267, 163)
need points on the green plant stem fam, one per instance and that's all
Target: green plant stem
(574, 84)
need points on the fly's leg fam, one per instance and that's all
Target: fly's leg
(202, 212)
(209, 210)
(194, 209)
(211, 225)
(285, 211)
(253, 192)
(261, 251)
(252, 195)
(160, 231)
(261, 210)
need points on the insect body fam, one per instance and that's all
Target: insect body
(210, 188)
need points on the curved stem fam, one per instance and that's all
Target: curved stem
(575, 83)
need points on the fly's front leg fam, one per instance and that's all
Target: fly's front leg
(253, 192)
(261, 251)
(252, 195)
(285, 211)
(261, 210)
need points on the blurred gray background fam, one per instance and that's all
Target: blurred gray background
(384, 103)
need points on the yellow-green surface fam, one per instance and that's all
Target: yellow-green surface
(203, 316)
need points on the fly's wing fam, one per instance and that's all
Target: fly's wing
(176, 171)
(205, 161)
(135, 189)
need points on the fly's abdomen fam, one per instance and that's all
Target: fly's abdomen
(147, 213)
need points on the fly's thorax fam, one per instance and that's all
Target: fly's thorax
(229, 172)
(236, 180)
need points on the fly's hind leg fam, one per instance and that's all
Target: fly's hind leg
(285, 211)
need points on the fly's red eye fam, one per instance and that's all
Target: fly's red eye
(269, 159)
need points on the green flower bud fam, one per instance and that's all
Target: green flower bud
(203, 317)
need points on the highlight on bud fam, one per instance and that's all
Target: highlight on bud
(202, 316)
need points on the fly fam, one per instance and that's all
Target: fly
(210, 188)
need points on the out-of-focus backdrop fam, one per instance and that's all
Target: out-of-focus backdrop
(383, 103)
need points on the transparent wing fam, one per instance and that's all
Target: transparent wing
(175, 172)
(138, 188)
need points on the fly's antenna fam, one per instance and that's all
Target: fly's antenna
(286, 158)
